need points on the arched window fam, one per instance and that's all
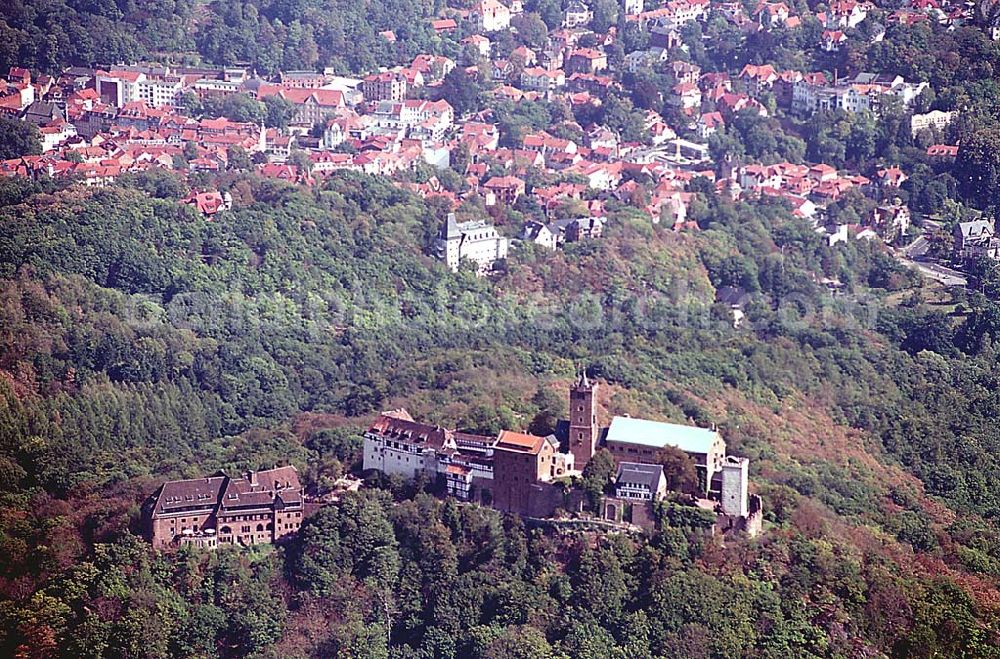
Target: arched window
(260, 528)
(225, 530)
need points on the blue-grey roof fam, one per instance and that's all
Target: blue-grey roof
(635, 473)
(658, 434)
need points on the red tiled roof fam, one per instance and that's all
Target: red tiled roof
(520, 442)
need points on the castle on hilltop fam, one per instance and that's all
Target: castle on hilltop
(525, 474)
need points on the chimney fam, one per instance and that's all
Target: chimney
(252, 477)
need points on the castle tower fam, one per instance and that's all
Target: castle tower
(735, 476)
(582, 421)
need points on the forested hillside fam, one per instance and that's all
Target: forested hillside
(269, 35)
(141, 341)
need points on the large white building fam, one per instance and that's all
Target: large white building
(935, 118)
(427, 119)
(395, 444)
(475, 240)
(489, 16)
(121, 87)
(863, 93)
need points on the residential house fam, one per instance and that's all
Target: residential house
(845, 14)
(890, 221)
(832, 40)
(938, 119)
(426, 120)
(506, 189)
(524, 56)
(685, 72)
(665, 38)
(730, 104)
(542, 80)
(577, 14)
(586, 60)
(758, 78)
(976, 239)
(432, 67)
(640, 482)
(55, 133)
(444, 25)
(384, 86)
(686, 95)
(708, 124)
(890, 177)
(502, 69)
(772, 14)
(600, 176)
(643, 59)
(547, 144)
(15, 97)
(581, 228)
(481, 44)
(540, 234)
(19, 75)
(210, 202)
(784, 87)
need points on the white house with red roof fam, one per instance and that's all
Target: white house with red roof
(480, 43)
(832, 40)
(600, 176)
(773, 14)
(55, 133)
(845, 14)
(444, 25)
(542, 80)
(586, 60)
(432, 67)
(891, 177)
(758, 78)
(686, 95)
(209, 202)
(708, 124)
(545, 143)
(730, 104)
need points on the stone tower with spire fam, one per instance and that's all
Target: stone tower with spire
(583, 429)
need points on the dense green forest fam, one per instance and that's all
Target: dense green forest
(268, 35)
(142, 341)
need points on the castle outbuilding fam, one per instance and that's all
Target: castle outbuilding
(258, 507)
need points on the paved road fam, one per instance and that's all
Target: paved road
(917, 249)
(939, 273)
